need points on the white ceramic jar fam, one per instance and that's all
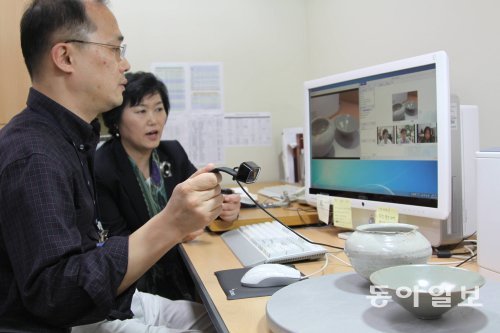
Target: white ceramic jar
(375, 246)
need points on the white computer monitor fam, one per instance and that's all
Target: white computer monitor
(380, 136)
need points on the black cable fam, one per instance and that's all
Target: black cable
(283, 224)
(471, 235)
(463, 262)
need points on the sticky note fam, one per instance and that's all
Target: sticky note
(323, 207)
(386, 215)
(342, 213)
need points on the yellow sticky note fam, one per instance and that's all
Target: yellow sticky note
(342, 213)
(323, 207)
(386, 215)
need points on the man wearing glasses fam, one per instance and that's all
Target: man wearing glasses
(58, 269)
(119, 49)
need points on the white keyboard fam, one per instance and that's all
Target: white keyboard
(269, 242)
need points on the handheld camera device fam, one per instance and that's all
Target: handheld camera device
(246, 173)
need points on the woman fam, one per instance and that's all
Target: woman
(428, 137)
(136, 174)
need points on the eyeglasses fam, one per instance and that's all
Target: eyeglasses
(120, 48)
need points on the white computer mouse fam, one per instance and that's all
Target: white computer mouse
(270, 275)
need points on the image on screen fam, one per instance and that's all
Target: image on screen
(375, 137)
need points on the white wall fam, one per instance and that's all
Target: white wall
(270, 47)
(348, 34)
(260, 42)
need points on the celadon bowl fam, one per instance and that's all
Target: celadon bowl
(346, 124)
(428, 291)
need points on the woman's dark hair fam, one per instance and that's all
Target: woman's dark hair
(46, 22)
(139, 85)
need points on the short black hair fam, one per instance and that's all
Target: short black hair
(44, 19)
(139, 85)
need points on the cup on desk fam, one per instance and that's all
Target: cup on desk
(323, 133)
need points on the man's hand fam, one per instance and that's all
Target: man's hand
(229, 214)
(230, 207)
(195, 202)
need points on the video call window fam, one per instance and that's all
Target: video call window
(405, 134)
(427, 133)
(357, 119)
(405, 106)
(385, 135)
(335, 124)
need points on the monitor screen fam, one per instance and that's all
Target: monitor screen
(380, 136)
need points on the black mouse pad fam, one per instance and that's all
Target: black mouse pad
(229, 281)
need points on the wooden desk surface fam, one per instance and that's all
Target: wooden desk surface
(209, 253)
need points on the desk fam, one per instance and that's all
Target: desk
(295, 215)
(209, 253)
